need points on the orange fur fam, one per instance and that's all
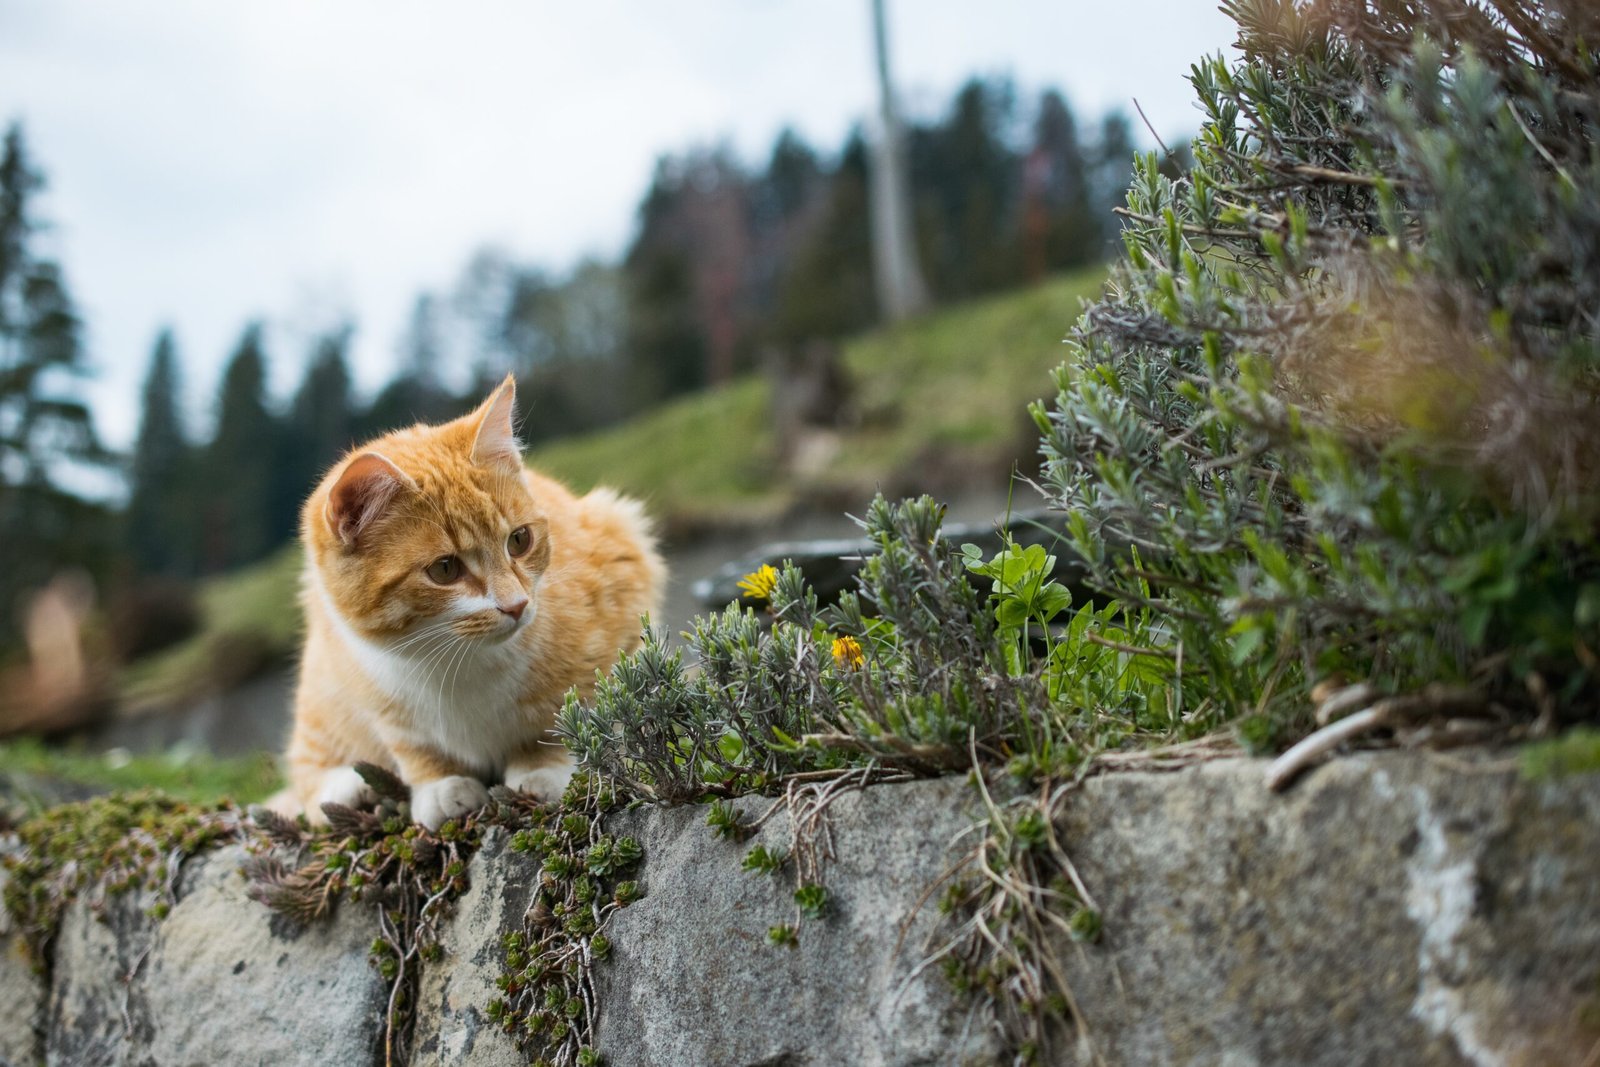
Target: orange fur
(445, 683)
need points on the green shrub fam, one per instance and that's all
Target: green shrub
(916, 671)
(1342, 397)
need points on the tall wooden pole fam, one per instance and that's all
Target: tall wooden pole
(901, 290)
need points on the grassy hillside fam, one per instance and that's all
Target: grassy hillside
(945, 393)
(951, 386)
(250, 618)
(34, 776)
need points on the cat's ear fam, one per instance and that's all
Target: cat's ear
(365, 488)
(495, 442)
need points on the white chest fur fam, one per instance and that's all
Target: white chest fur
(459, 695)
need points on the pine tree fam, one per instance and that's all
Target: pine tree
(161, 532)
(792, 175)
(967, 181)
(827, 290)
(320, 425)
(417, 393)
(1060, 227)
(45, 431)
(1110, 170)
(239, 467)
(422, 348)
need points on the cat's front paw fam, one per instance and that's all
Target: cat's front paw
(343, 786)
(545, 784)
(437, 802)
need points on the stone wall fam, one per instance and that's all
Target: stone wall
(1388, 909)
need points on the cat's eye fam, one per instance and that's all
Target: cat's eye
(520, 541)
(444, 570)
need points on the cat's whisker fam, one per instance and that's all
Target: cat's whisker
(440, 641)
(432, 630)
(427, 663)
(466, 649)
(418, 646)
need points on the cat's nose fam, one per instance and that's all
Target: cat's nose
(515, 608)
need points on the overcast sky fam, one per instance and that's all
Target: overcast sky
(213, 160)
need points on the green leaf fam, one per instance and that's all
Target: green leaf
(812, 899)
(1247, 644)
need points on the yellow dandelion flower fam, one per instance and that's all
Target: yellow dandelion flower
(847, 653)
(758, 585)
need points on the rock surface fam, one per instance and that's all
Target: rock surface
(694, 980)
(1387, 909)
(220, 980)
(451, 1025)
(22, 1004)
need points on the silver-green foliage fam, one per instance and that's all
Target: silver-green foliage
(915, 670)
(1339, 415)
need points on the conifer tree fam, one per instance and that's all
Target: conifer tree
(417, 393)
(45, 430)
(238, 472)
(827, 289)
(1061, 229)
(1110, 170)
(160, 519)
(320, 425)
(967, 179)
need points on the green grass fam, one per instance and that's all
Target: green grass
(1575, 752)
(36, 771)
(960, 381)
(948, 389)
(704, 459)
(248, 618)
(953, 385)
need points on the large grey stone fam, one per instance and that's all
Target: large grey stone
(220, 980)
(1386, 910)
(22, 1005)
(452, 1026)
(23, 990)
(692, 979)
(96, 1016)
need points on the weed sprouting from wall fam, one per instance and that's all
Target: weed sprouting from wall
(101, 848)
(410, 876)
(547, 998)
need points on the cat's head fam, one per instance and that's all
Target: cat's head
(430, 533)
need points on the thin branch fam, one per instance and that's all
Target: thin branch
(1286, 767)
(1538, 147)
(1132, 650)
(1146, 119)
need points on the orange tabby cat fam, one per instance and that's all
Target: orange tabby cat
(452, 597)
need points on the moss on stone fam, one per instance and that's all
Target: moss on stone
(106, 846)
(1575, 752)
(547, 992)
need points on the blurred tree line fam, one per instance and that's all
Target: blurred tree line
(729, 264)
